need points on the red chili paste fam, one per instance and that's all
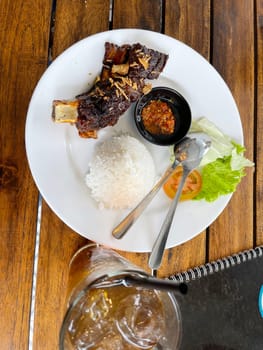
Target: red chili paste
(158, 118)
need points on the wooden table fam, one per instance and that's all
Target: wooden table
(228, 33)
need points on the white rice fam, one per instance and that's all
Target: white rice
(121, 172)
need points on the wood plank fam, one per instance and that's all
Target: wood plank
(189, 22)
(22, 60)
(57, 246)
(233, 57)
(259, 125)
(143, 14)
(74, 20)
(77, 20)
(185, 256)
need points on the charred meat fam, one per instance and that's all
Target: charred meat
(121, 82)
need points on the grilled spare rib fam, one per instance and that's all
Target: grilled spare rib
(121, 82)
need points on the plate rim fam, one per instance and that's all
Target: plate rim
(53, 66)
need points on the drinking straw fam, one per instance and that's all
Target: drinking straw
(154, 283)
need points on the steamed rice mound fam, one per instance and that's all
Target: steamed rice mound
(121, 172)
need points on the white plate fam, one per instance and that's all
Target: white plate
(59, 158)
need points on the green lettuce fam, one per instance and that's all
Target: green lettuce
(238, 161)
(221, 144)
(218, 178)
(222, 167)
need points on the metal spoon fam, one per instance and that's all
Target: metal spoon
(179, 152)
(194, 153)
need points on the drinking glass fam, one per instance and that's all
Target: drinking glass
(102, 313)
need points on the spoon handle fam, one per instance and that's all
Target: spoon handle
(159, 245)
(120, 230)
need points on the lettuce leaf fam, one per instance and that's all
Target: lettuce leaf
(238, 161)
(218, 178)
(221, 144)
(222, 167)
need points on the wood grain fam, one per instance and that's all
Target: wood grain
(74, 20)
(58, 244)
(191, 22)
(188, 22)
(233, 57)
(77, 19)
(23, 58)
(143, 14)
(259, 125)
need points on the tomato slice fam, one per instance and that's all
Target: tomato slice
(191, 187)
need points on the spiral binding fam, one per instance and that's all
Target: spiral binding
(218, 265)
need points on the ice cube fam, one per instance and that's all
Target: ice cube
(90, 321)
(140, 318)
(114, 341)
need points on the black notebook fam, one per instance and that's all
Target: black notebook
(223, 308)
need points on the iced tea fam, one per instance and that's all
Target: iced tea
(104, 314)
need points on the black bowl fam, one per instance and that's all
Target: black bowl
(180, 109)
